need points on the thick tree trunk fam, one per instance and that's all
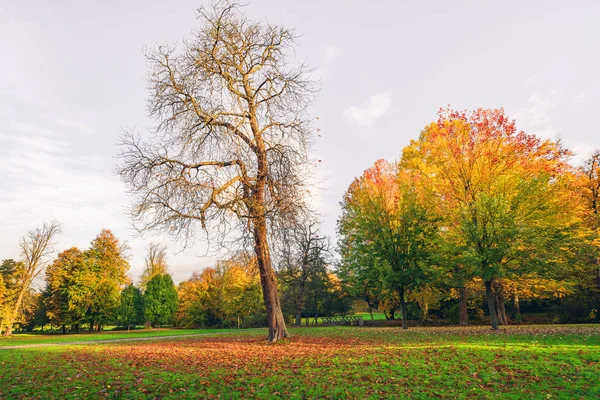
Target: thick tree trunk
(91, 325)
(298, 321)
(491, 305)
(501, 302)
(403, 308)
(275, 320)
(463, 315)
(64, 329)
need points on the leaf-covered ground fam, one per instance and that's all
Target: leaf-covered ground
(38, 338)
(518, 362)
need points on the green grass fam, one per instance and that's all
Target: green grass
(39, 338)
(322, 362)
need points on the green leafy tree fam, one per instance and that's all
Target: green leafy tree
(96, 286)
(160, 300)
(131, 309)
(384, 216)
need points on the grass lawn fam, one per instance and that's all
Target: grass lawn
(39, 338)
(326, 362)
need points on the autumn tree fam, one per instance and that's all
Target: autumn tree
(96, 286)
(160, 300)
(155, 263)
(504, 193)
(59, 281)
(229, 149)
(10, 277)
(384, 216)
(36, 247)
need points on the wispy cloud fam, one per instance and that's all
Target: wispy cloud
(580, 100)
(536, 118)
(331, 53)
(368, 113)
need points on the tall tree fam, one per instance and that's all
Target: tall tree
(36, 247)
(504, 193)
(384, 216)
(155, 263)
(160, 300)
(231, 139)
(59, 281)
(131, 309)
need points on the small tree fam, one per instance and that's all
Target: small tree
(160, 300)
(130, 310)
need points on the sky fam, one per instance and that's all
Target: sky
(72, 77)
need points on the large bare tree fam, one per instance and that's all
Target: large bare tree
(36, 247)
(229, 150)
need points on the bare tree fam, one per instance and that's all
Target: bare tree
(303, 252)
(36, 247)
(156, 263)
(229, 151)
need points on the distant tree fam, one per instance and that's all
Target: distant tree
(131, 307)
(155, 263)
(303, 250)
(96, 286)
(59, 280)
(36, 247)
(231, 141)
(160, 300)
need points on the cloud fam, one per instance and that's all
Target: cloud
(366, 115)
(536, 118)
(331, 54)
(580, 100)
(71, 124)
(531, 81)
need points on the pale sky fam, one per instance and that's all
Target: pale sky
(72, 75)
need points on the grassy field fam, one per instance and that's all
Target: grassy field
(331, 362)
(39, 338)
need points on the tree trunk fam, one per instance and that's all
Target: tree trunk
(13, 315)
(64, 329)
(300, 304)
(275, 320)
(403, 308)
(517, 307)
(491, 305)
(91, 325)
(370, 309)
(501, 302)
(463, 315)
